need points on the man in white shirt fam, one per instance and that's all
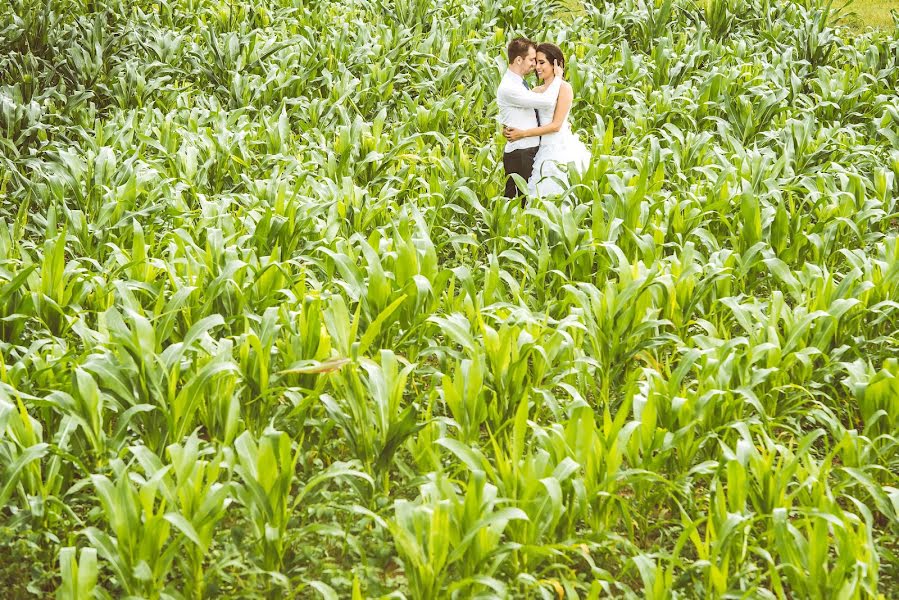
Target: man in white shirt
(518, 109)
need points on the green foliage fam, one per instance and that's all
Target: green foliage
(267, 328)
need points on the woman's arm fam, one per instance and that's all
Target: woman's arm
(566, 95)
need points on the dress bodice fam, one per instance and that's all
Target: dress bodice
(546, 117)
(546, 114)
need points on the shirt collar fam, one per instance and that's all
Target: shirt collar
(514, 75)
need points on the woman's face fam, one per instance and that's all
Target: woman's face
(544, 66)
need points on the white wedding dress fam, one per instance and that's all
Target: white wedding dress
(558, 152)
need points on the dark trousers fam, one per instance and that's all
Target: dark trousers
(521, 162)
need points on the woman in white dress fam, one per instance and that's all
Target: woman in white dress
(560, 148)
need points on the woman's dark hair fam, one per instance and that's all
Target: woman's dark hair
(552, 53)
(519, 47)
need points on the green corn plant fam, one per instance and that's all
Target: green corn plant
(537, 485)
(88, 409)
(464, 396)
(451, 540)
(723, 547)
(304, 346)
(271, 494)
(517, 356)
(13, 296)
(876, 393)
(158, 380)
(619, 320)
(597, 450)
(720, 17)
(266, 468)
(22, 447)
(654, 20)
(193, 489)
(55, 285)
(138, 546)
(803, 545)
(79, 576)
(36, 469)
(370, 411)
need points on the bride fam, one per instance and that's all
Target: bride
(559, 147)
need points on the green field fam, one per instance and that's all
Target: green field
(871, 13)
(267, 328)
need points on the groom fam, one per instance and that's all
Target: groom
(518, 109)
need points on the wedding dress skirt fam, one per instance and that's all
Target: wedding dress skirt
(558, 153)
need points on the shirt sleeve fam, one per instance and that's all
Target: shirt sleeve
(524, 98)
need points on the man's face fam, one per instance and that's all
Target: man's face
(531, 61)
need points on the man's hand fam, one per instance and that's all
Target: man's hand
(512, 134)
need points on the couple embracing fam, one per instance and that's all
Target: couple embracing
(540, 145)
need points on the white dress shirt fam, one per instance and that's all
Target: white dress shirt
(517, 103)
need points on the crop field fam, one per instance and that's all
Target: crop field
(268, 328)
(869, 13)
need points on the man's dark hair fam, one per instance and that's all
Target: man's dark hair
(519, 47)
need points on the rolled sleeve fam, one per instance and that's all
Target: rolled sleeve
(525, 98)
